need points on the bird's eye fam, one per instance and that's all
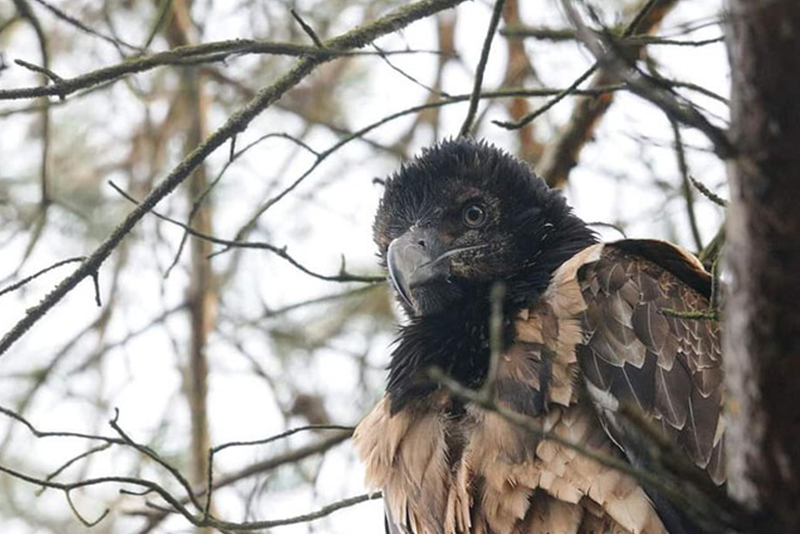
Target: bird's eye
(474, 216)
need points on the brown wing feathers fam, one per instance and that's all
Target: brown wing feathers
(669, 366)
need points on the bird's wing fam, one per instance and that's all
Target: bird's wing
(641, 348)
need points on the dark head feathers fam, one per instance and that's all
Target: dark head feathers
(421, 184)
(526, 231)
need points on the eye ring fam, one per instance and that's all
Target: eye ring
(473, 215)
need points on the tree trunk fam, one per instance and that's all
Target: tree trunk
(763, 312)
(202, 291)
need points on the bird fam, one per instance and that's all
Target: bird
(587, 328)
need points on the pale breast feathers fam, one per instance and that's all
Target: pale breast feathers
(478, 473)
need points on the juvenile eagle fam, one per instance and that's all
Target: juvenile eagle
(584, 332)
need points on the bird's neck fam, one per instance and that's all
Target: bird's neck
(457, 339)
(569, 236)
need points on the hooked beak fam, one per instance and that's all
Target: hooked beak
(413, 261)
(419, 267)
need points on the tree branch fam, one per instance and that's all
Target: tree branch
(476, 89)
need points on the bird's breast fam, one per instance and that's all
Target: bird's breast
(483, 474)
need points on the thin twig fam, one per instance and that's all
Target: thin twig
(307, 29)
(28, 279)
(232, 157)
(708, 193)
(214, 450)
(569, 34)
(193, 54)
(272, 313)
(83, 27)
(150, 453)
(56, 434)
(55, 78)
(104, 349)
(714, 247)
(406, 75)
(86, 522)
(358, 134)
(694, 87)
(290, 457)
(542, 33)
(73, 460)
(515, 125)
(496, 319)
(342, 276)
(647, 87)
(695, 315)
(178, 506)
(164, 11)
(476, 88)
(630, 30)
(44, 166)
(716, 298)
(686, 185)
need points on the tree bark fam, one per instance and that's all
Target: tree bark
(762, 342)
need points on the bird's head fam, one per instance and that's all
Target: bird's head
(464, 214)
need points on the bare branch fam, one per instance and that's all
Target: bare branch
(569, 34)
(75, 459)
(631, 29)
(153, 455)
(56, 434)
(348, 431)
(343, 275)
(530, 117)
(192, 55)
(686, 188)
(86, 522)
(359, 134)
(476, 89)
(496, 319)
(83, 27)
(27, 279)
(234, 155)
(308, 29)
(708, 193)
(647, 87)
(258, 468)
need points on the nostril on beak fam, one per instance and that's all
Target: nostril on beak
(421, 243)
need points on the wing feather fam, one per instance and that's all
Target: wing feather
(670, 366)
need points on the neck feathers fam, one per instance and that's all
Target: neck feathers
(457, 339)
